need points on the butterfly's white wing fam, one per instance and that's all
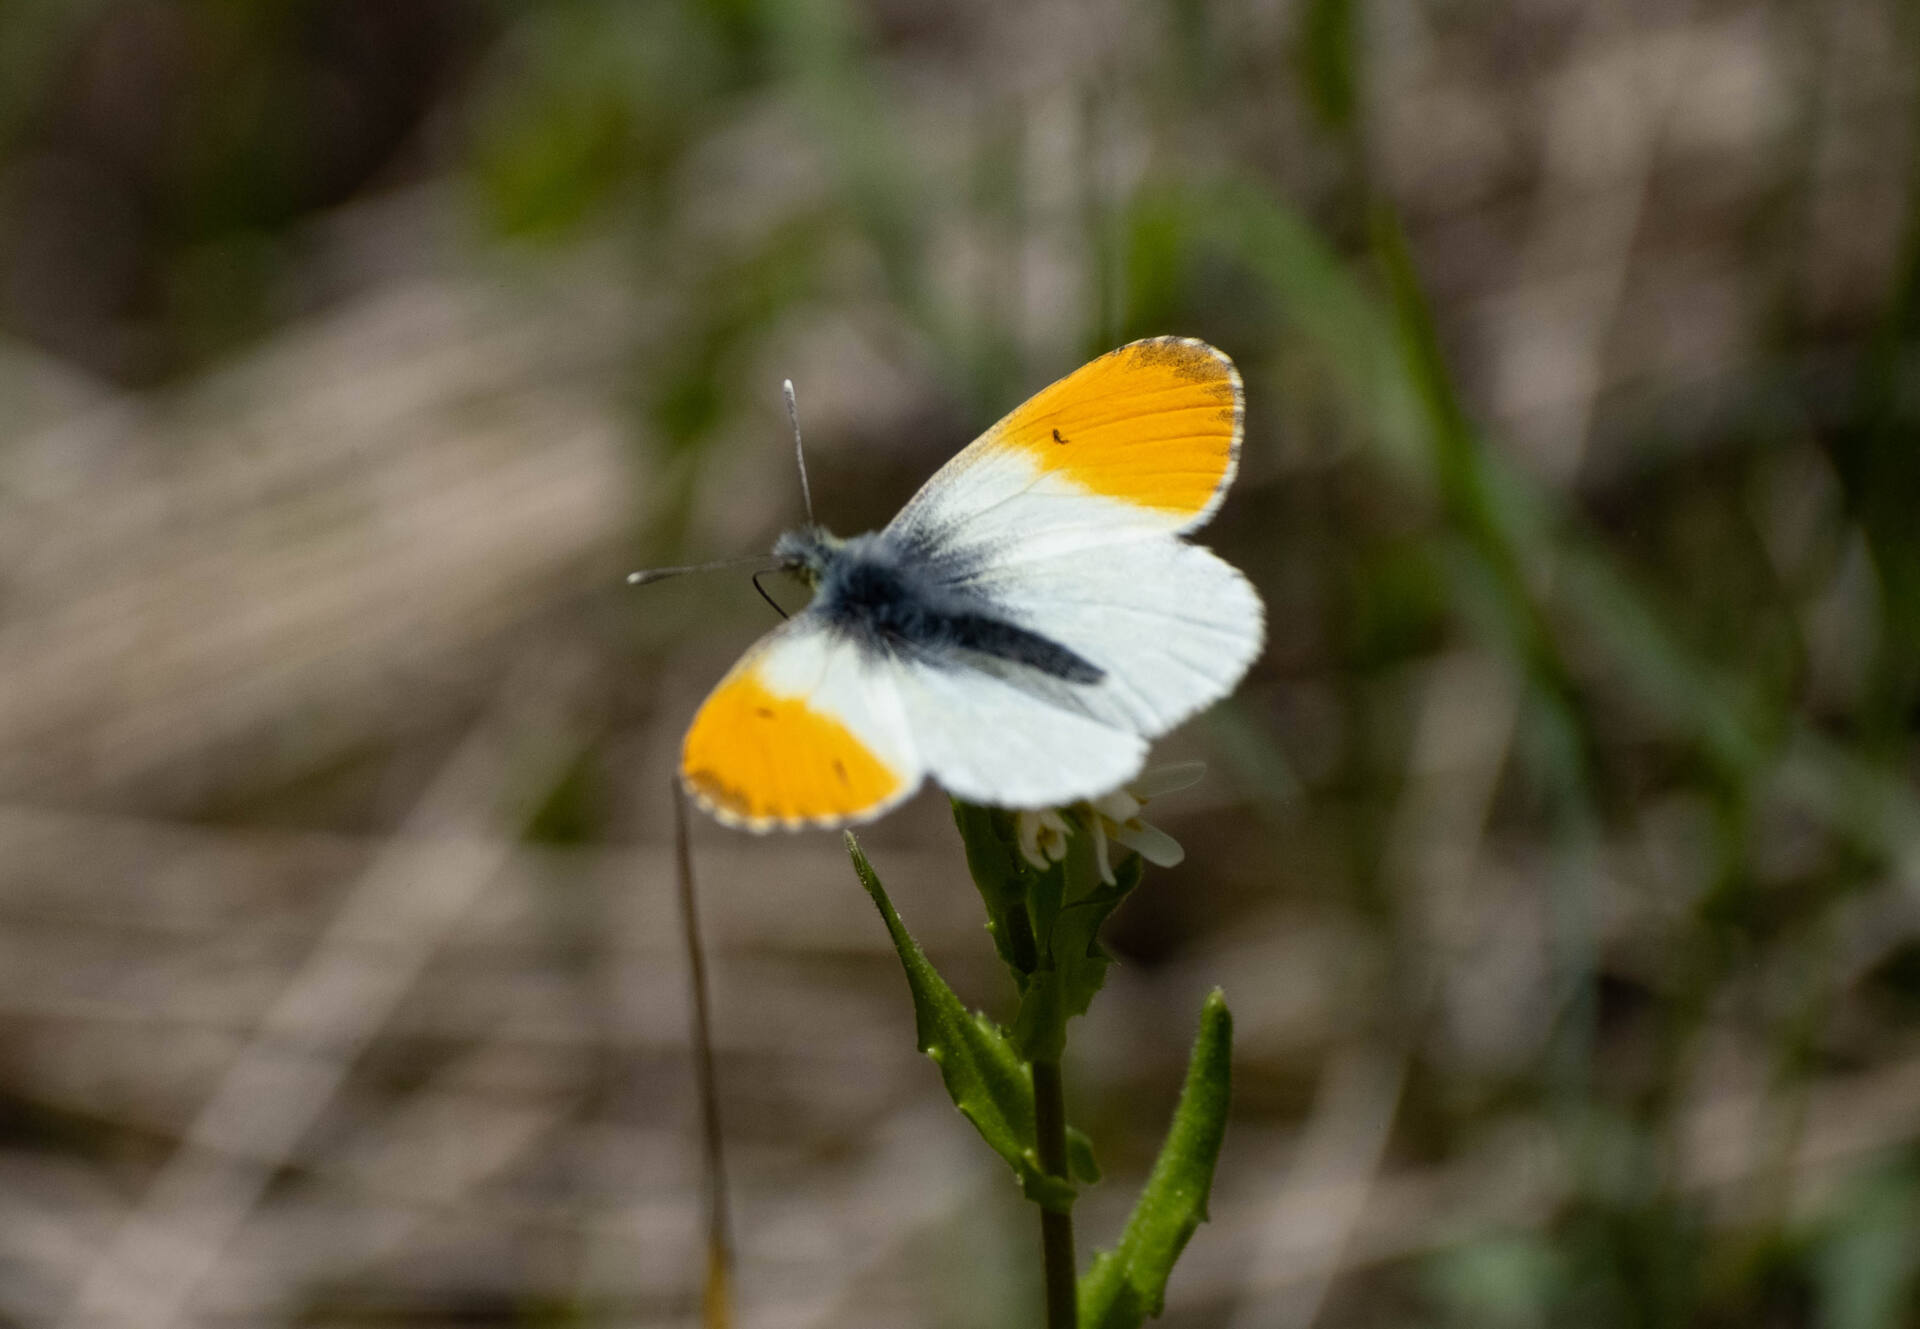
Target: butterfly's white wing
(1172, 627)
(1065, 518)
(806, 730)
(999, 734)
(814, 727)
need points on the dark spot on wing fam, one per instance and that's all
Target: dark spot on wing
(1059, 438)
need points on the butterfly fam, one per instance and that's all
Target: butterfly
(1030, 620)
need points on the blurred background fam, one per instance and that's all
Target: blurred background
(1561, 858)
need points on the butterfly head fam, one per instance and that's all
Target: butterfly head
(807, 553)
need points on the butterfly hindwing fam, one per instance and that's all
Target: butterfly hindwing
(1171, 626)
(806, 730)
(1007, 735)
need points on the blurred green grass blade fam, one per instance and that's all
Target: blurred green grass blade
(1128, 1284)
(1329, 67)
(36, 40)
(1318, 293)
(985, 1077)
(1866, 802)
(1877, 458)
(1620, 618)
(1487, 513)
(1868, 1269)
(820, 45)
(1394, 380)
(1449, 438)
(598, 99)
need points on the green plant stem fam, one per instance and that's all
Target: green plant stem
(1056, 1226)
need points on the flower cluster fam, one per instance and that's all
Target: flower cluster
(1112, 818)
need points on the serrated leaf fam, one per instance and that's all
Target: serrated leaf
(1128, 1283)
(985, 1077)
(1075, 942)
(1069, 905)
(1000, 874)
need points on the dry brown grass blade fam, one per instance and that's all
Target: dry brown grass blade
(717, 1299)
(285, 1076)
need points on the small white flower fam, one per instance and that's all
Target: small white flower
(1043, 836)
(1115, 817)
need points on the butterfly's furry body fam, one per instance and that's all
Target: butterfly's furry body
(914, 601)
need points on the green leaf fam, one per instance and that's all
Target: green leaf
(1075, 941)
(1045, 921)
(1000, 873)
(1068, 903)
(985, 1077)
(1128, 1283)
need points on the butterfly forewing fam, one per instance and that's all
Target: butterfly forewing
(1147, 436)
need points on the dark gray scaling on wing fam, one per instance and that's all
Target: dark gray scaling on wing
(913, 600)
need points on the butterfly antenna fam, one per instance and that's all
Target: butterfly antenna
(799, 453)
(717, 1298)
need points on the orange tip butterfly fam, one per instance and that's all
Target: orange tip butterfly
(1020, 631)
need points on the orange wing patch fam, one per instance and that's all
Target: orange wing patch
(1155, 422)
(762, 759)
